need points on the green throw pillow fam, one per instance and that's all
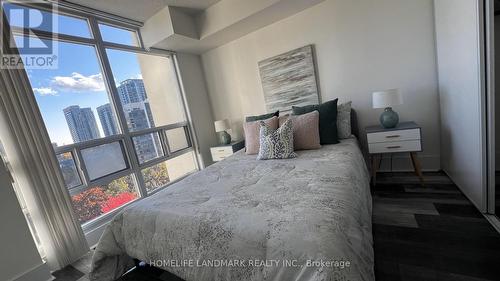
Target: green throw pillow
(262, 117)
(327, 119)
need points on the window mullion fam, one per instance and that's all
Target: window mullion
(82, 169)
(115, 99)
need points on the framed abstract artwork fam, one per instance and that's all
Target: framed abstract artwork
(289, 79)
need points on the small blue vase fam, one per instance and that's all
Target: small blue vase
(389, 118)
(224, 138)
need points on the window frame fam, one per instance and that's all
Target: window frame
(126, 136)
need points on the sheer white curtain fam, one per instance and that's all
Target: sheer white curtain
(43, 185)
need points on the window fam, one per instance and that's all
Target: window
(68, 168)
(155, 176)
(114, 114)
(73, 99)
(101, 199)
(104, 159)
(147, 147)
(148, 89)
(177, 139)
(118, 35)
(181, 165)
(64, 24)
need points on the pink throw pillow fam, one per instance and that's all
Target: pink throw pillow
(252, 131)
(305, 130)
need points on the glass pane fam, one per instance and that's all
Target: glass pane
(68, 169)
(181, 165)
(25, 17)
(148, 89)
(98, 200)
(118, 35)
(147, 147)
(104, 159)
(177, 139)
(156, 176)
(70, 95)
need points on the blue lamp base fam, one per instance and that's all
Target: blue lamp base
(388, 118)
(224, 138)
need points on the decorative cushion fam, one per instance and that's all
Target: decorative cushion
(276, 143)
(344, 120)
(327, 119)
(305, 130)
(252, 130)
(262, 117)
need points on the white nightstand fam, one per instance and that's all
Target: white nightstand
(405, 137)
(221, 152)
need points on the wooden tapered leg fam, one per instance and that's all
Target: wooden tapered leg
(375, 163)
(416, 166)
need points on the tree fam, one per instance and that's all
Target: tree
(156, 176)
(121, 185)
(87, 204)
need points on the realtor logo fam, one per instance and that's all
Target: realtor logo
(29, 43)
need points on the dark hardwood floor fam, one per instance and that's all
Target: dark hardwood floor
(430, 232)
(427, 233)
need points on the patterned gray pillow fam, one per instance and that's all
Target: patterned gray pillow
(344, 120)
(276, 144)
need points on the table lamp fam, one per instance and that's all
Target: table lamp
(386, 99)
(220, 127)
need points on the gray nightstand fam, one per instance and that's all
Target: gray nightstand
(222, 151)
(405, 137)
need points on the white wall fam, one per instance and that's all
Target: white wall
(460, 92)
(19, 255)
(361, 46)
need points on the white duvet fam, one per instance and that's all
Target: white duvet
(307, 218)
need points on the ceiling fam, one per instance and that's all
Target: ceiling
(143, 9)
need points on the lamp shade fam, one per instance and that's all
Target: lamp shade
(386, 98)
(221, 125)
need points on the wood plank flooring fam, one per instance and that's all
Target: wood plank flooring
(430, 232)
(427, 233)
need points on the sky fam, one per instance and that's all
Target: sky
(78, 79)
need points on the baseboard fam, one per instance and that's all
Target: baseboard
(401, 162)
(40, 272)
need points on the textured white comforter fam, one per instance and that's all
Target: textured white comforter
(307, 218)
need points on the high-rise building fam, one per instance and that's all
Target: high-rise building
(131, 91)
(107, 118)
(139, 116)
(81, 123)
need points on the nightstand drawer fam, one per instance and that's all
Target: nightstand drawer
(392, 136)
(220, 153)
(223, 150)
(395, 146)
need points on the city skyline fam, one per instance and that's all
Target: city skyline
(82, 124)
(78, 80)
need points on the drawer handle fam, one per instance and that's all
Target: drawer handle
(393, 136)
(221, 150)
(393, 147)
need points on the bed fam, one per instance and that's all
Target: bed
(307, 218)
